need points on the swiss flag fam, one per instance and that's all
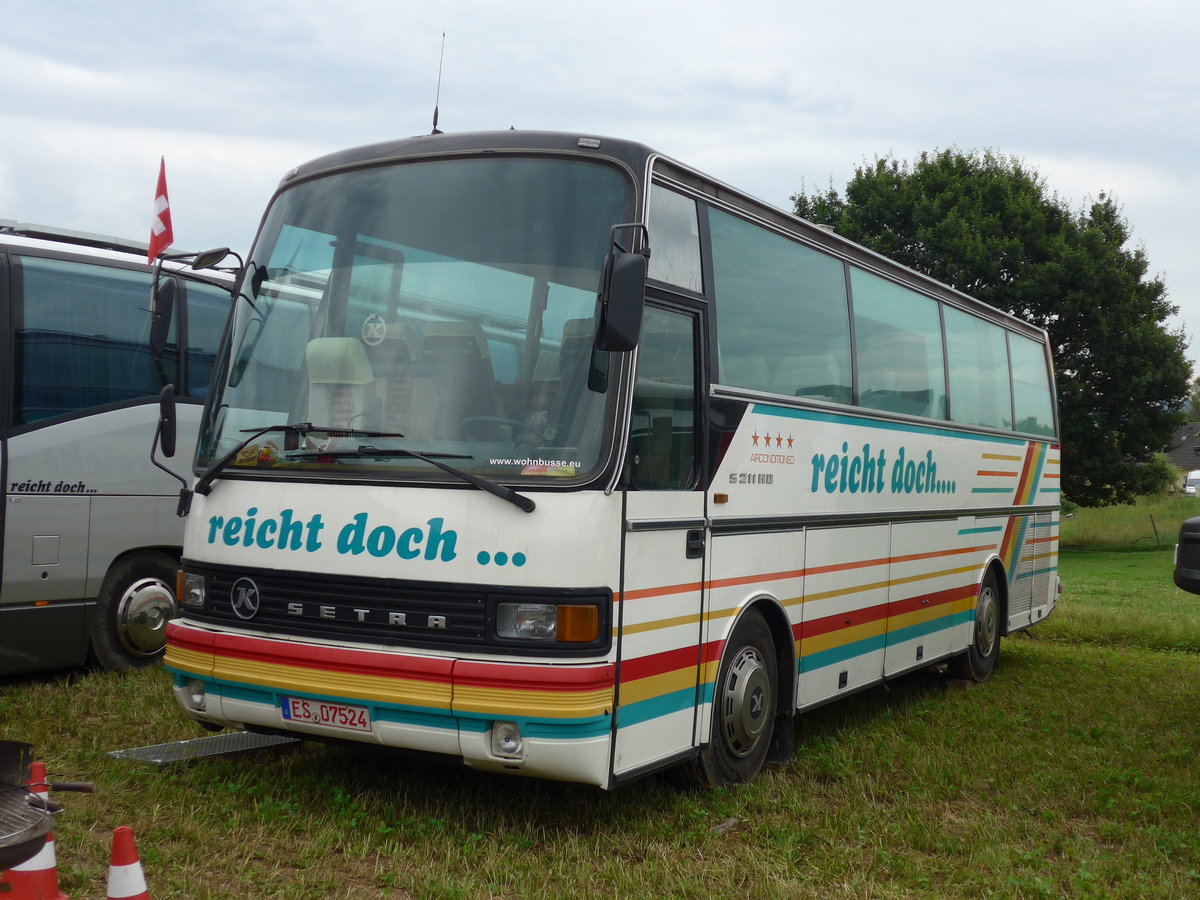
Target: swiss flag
(161, 235)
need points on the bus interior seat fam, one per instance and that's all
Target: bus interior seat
(569, 379)
(392, 359)
(461, 365)
(339, 380)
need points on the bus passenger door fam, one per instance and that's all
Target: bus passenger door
(666, 536)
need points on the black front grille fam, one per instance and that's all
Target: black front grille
(385, 611)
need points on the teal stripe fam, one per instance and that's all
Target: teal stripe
(923, 629)
(397, 713)
(835, 655)
(988, 530)
(881, 425)
(993, 490)
(1049, 570)
(662, 705)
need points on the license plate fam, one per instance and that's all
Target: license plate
(318, 712)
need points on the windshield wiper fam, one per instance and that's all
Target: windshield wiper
(204, 482)
(434, 459)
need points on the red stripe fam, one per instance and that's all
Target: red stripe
(938, 598)
(848, 619)
(1024, 485)
(504, 676)
(668, 661)
(314, 656)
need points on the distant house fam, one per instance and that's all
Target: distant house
(1185, 447)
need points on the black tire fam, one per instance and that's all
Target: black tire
(743, 708)
(136, 601)
(979, 659)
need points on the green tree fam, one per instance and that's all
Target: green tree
(986, 224)
(1193, 403)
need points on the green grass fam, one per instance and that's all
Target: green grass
(1121, 599)
(1149, 524)
(1072, 772)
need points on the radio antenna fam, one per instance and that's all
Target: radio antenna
(438, 96)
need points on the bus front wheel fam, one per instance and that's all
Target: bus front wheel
(743, 706)
(977, 663)
(136, 601)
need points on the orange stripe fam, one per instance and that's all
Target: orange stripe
(667, 590)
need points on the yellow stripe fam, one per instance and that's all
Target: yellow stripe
(338, 684)
(1003, 456)
(407, 692)
(909, 579)
(534, 704)
(190, 661)
(691, 619)
(841, 636)
(929, 614)
(657, 685)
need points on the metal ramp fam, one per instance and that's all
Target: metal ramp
(162, 755)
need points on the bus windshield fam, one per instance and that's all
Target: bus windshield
(440, 308)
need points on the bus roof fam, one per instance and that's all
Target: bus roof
(639, 158)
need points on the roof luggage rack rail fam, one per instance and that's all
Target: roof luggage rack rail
(66, 236)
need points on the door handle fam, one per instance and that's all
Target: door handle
(695, 544)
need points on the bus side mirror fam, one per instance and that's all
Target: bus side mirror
(162, 306)
(166, 420)
(621, 301)
(210, 258)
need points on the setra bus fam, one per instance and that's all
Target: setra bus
(552, 454)
(91, 541)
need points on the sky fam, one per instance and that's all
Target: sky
(770, 96)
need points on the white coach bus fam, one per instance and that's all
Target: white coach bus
(91, 541)
(551, 454)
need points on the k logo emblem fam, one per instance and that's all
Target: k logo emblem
(244, 598)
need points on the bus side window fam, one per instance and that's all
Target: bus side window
(663, 438)
(81, 339)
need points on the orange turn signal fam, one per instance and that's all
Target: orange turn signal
(578, 624)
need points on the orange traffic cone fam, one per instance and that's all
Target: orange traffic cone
(37, 878)
(126, 880)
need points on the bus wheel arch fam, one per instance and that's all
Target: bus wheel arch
(978, 661)
(745, 705)
(136, 600)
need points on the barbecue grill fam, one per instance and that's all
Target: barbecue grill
(25, 819)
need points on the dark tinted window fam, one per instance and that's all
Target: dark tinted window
(81, 339)
(782, 319)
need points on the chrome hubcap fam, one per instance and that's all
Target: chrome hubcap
(745, 702)
(987, 621)
(142, 615)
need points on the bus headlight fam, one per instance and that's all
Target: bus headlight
(192, 590)
(559, 622)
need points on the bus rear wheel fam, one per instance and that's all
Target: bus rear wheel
(979, 659)
(743, 707)
(136, 601)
